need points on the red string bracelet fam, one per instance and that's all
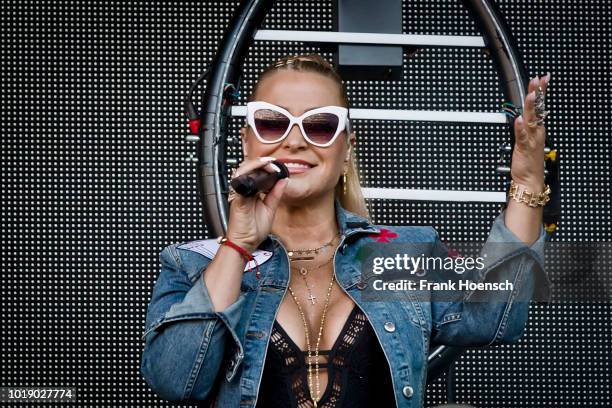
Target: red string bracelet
(243, 252)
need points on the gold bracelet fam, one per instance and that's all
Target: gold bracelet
(519, 193)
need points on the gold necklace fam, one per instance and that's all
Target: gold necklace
(292, 252)
(314, 399)
(304, 271)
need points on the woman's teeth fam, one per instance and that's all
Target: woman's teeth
(297, 165)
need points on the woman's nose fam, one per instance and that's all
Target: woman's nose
(295, 138)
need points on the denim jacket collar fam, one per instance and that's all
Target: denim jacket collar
(349, 221)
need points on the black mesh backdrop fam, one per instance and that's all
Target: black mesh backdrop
(96, 178)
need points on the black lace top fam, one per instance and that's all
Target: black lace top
(358, 373)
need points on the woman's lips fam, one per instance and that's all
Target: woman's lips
(297, 170)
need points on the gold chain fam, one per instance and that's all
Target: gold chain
(292, 252)
(304, 271)
(306, 332)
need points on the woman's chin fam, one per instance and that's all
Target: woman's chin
(295, 190)
(298, 191)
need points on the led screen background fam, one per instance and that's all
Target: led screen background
(97, 177)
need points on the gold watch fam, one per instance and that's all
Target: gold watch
(520, 194)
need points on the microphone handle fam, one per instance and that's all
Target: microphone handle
(258, 180)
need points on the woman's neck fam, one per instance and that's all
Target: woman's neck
(305, 226)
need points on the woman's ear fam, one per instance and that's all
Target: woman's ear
(352, 139)
(351, 145)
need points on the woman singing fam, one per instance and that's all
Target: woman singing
(298, 333)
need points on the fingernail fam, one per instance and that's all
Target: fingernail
(275, 167)
(548, 76)
(267, 158)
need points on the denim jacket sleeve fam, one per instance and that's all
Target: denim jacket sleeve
(485, 317)
(185, 338)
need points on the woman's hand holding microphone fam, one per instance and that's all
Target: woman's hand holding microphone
(250, 218)
(250, 221)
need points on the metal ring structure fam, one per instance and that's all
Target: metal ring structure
(226, 68)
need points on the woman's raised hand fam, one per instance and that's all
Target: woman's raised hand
(250, 218)
(528, 156)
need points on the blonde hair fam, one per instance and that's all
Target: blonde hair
(353, 200)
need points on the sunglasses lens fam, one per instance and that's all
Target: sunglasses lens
(270, 125)
(321, 127)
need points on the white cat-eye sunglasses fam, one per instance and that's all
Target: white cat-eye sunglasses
(320, 127)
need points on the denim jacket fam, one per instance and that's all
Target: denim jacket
(193, 353)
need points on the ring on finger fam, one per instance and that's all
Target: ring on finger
(539, 107)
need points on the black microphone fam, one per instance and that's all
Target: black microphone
(259, 180)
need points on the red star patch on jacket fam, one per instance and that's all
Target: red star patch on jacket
(385, 235)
